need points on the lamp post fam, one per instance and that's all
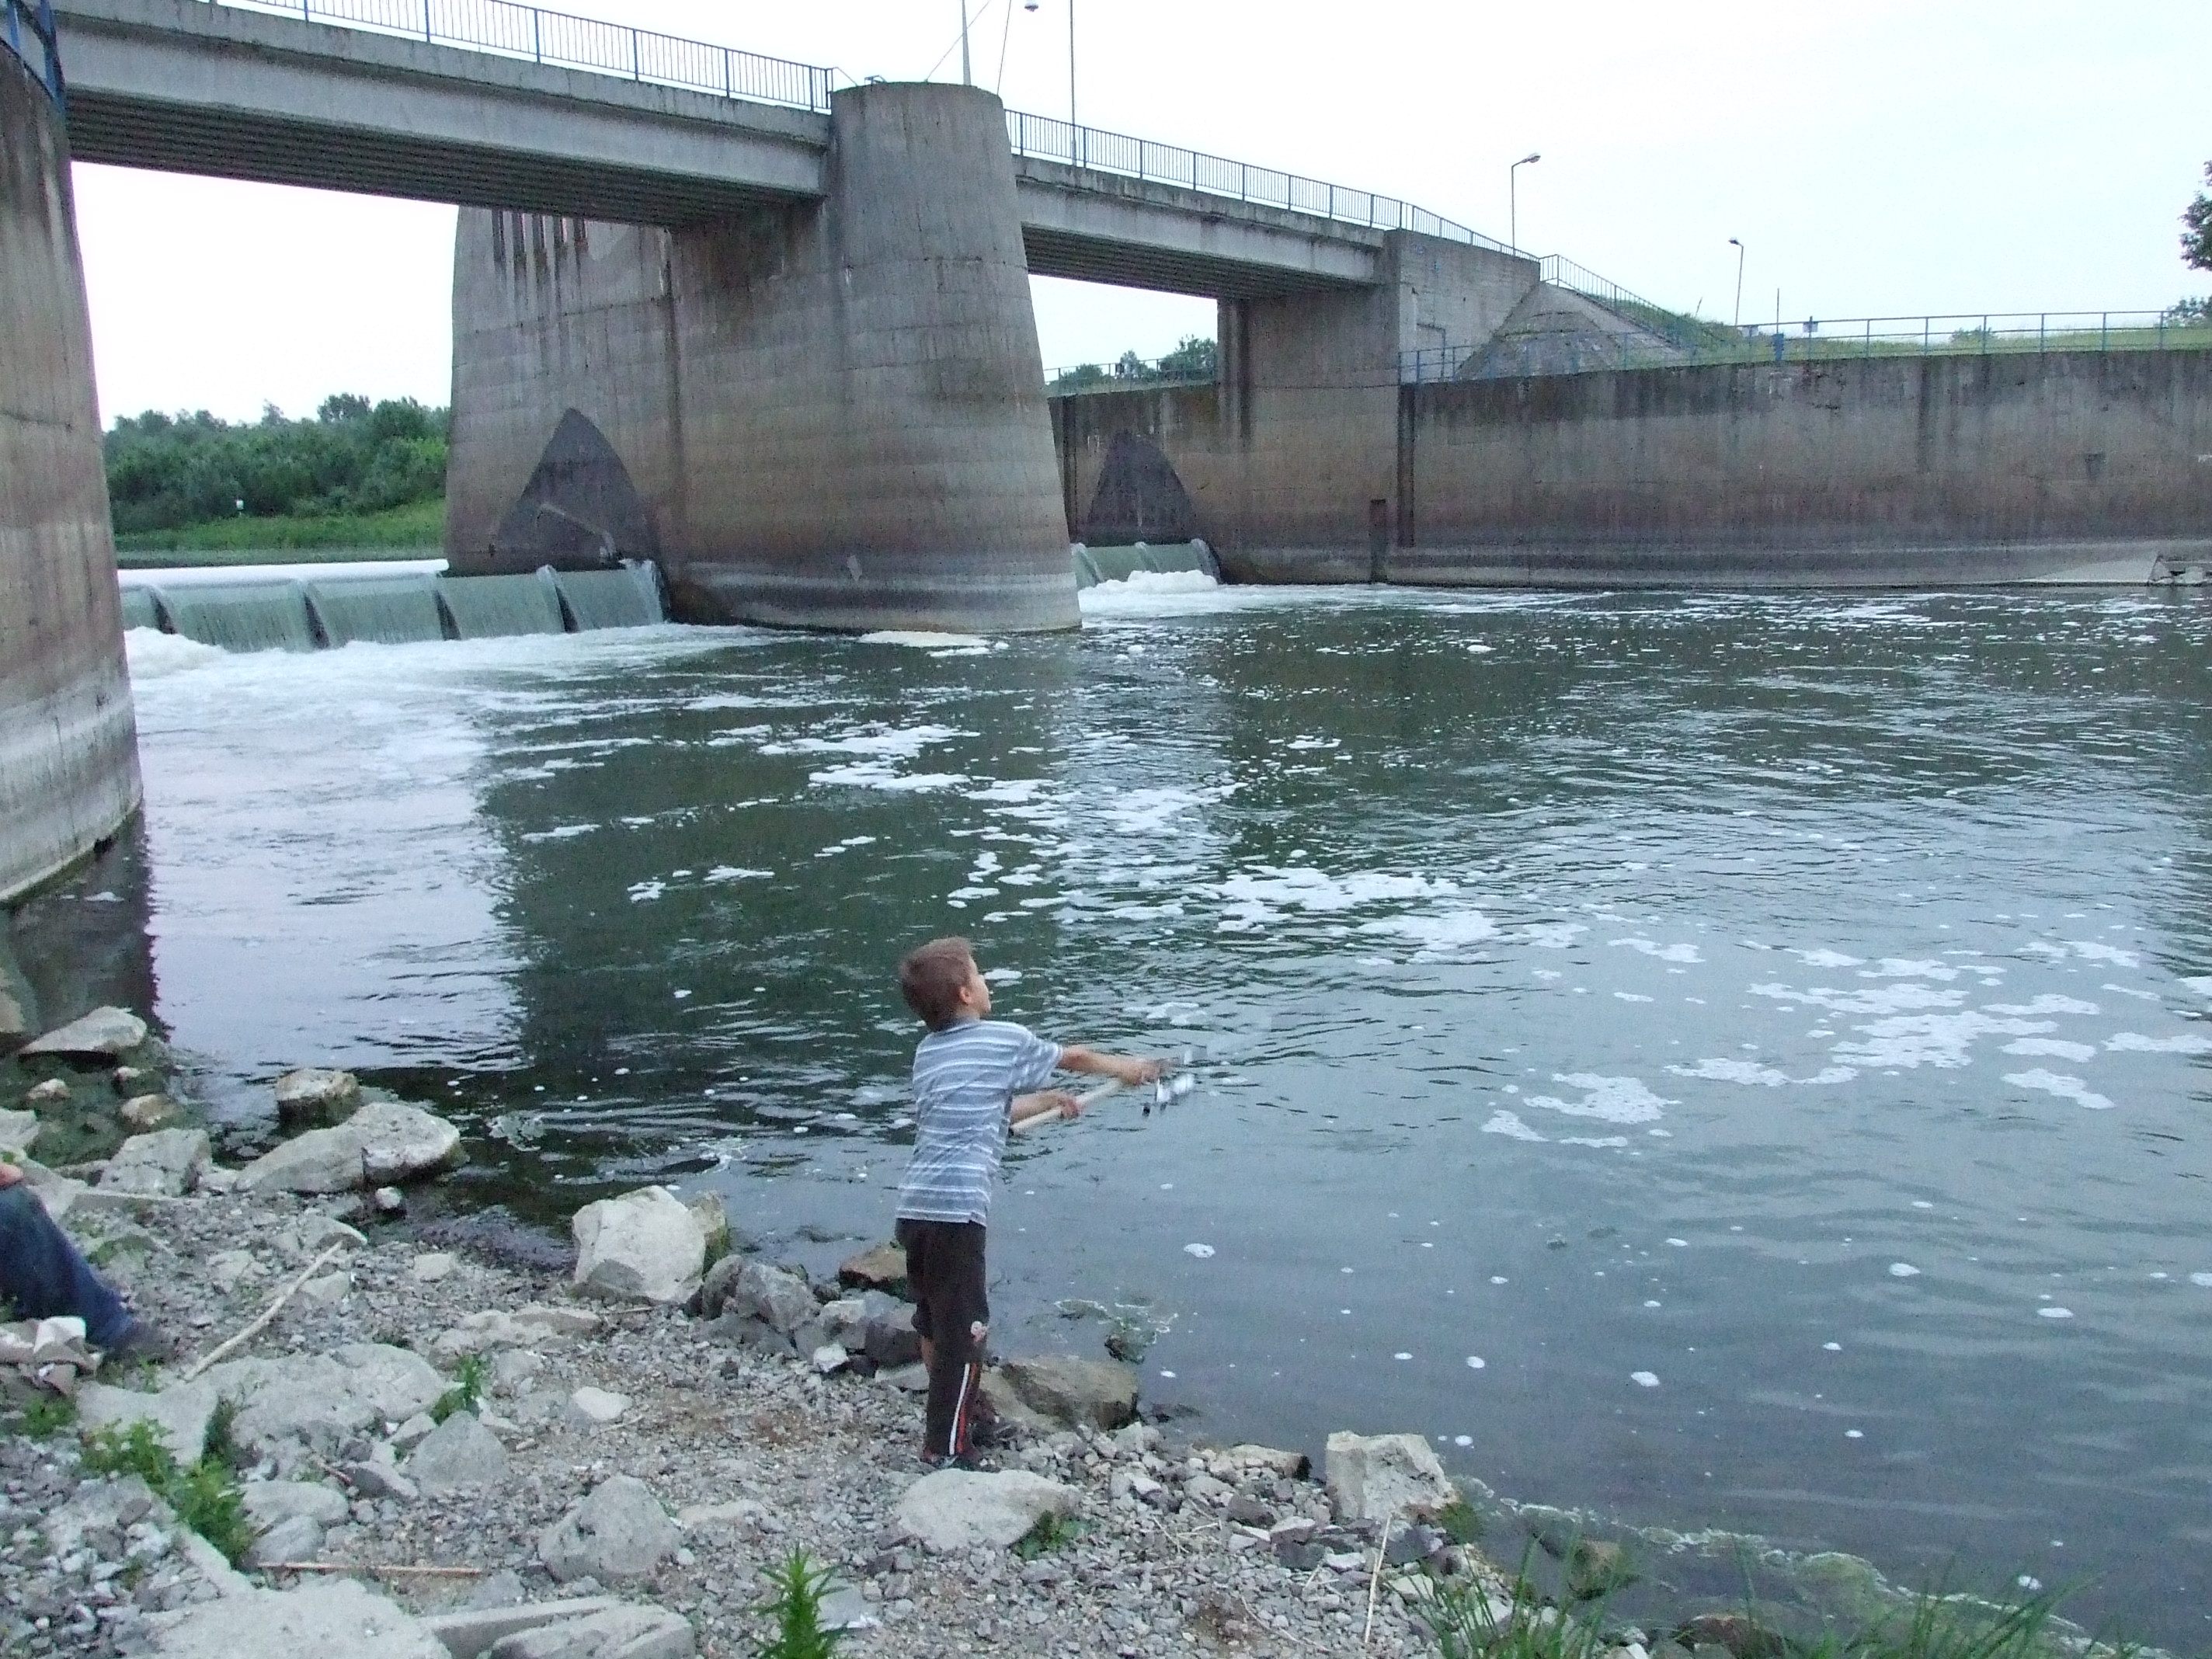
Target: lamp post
(1513, 197)
(967, 68)
(1074, 148)
(1738, 246)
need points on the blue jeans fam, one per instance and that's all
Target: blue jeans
(42, 1273)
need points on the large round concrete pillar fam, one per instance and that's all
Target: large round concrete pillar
(909, 479)
(68, 763)
(833, 411)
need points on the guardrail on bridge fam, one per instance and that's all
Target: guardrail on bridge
(505, 29)
(27, 27)
(1816, 340)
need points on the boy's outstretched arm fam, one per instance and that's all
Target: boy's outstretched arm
(1125, 1069)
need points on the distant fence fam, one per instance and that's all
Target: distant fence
(508, 30)
(27, 27)
(1813, 341)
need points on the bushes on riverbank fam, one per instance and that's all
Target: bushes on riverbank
(415, 531)
(355, 460)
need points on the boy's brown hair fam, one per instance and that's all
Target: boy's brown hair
(930, 977)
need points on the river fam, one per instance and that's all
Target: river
(1716, 1060)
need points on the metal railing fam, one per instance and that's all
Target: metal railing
(27, 27)
(1702, 344)
(1095, 151)
(508, 30)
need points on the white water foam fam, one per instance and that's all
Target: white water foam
(2202, 986)
(1733, 1071)
(1664, 953)
(943, 645)
(2044, 1005)
(2057, 1048)
(2135, 1042)
(1509, 1124)
(1943, 1041)
(2066, 1088)
(1440, 933)
(152, 654)
(1612, 1099)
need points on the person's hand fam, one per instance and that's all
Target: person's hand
(9, 1175)
(1133, 1072)
(1063, 1102)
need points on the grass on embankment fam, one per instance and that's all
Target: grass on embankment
(417, 530)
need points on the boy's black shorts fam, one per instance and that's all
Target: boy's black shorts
(945, 1270)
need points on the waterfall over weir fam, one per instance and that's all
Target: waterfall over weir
(286, 608)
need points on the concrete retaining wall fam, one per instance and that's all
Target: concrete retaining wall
(1934, 471)
(834, 413)
(69, 765)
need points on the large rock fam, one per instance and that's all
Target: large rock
(315, 1096)
(645, 1246)
(459, 1452)
(179, 1414)
(1072, 1392)
(883, 1269)
(618, 1534)
(324, 1400)
(533, 1326)
(103, 1034)
(165, 1164)
(268, 1502)
(386, 1140)
(472, 1631)
(336, 1619)
(18, 1132)
(956, 1509)
(620, 1632)
(141, 1113)
(294, 1538)
(1386, 1476)
(782, 1300)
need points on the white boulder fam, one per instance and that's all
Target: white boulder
(958, 1510)
(165, 1164)
(1386, 1476)
(103, 1034)
(335, 1619)
(386, 1140)
(617, 1534)
(645, 1246)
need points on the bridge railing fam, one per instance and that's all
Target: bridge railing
(1052, 140)
(2186, 327)
(565, 41)
(27, 27)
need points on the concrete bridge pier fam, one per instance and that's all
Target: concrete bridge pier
(68, 763)
(832, 413)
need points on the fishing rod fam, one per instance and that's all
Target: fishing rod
(1170, 1086)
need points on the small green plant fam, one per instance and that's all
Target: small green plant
(49, 1414)
(222, 1447)
(1942, 1626)
(1461, 1521)
(205, 1496)
(1052, 1531)
(1473, 1623)
(795, 1604)
(467, 1391)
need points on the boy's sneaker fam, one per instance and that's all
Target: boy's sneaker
(967, 1460)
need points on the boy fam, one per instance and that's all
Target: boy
(973, 1077)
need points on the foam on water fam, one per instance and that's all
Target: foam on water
(1612, 1099)
(152, 654)
(2135, 1042)
(2057, 1048)
(2066, 1088)
(1509, 1124)
(2201, 985)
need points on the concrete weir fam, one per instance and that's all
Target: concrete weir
(69, 765)
(832, 411)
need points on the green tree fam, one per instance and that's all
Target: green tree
(1195, 356)
(2196, 227)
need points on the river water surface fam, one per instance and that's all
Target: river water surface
(1716, 1060)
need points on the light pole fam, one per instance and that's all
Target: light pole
(1074, 150)
(967, 68)
(1738, 246)
(1513, 197)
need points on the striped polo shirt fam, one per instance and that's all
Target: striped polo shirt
(965, 1077)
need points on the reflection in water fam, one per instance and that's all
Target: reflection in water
(1723, 1060)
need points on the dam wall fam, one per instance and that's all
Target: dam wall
(1916, 471)
(826, 414)
(69, 765)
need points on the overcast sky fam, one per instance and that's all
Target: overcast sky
(1884, 157)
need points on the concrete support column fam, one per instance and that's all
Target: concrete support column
(68, 761)
(833, 413)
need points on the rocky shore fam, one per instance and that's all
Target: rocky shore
(458, 1455)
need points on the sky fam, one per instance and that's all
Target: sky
(1882, 158)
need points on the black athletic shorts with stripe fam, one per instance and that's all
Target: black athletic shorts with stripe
(953, 1312)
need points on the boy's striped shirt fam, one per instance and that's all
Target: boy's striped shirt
(964, 1078)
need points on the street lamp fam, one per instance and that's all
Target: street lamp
(967, 69)
(1738, 246)
(1074, 153)
(1513, 197)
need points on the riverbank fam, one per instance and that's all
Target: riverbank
(415, 531)
(493, 1442)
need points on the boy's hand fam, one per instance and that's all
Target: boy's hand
(1130, 1073)
(9, 1175)
(1044, 1104)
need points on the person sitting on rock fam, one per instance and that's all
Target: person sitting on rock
(45, 1277)
(974, 1077)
